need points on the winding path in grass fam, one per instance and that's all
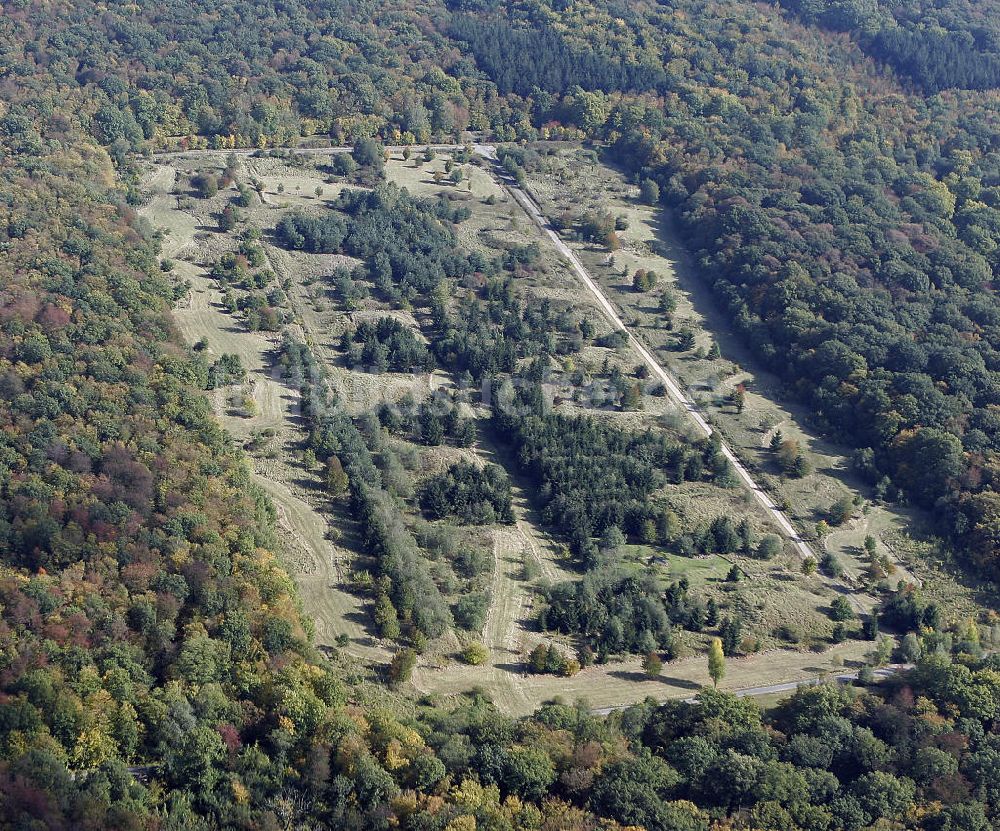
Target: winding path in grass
(314, 562)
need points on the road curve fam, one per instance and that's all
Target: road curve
(669, 382)
(790, 686)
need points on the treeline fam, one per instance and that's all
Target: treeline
(826, 758)
(254, 74)
(414, 596)
(860, 374)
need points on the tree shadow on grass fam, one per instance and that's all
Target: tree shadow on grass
(364, 622)
(628, 675)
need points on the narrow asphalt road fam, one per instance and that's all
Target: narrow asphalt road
(671, 384)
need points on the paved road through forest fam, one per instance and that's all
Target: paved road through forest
(671, 384)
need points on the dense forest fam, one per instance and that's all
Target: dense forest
(525, 60)
(156, 671)
(145, 618)
(938, 46)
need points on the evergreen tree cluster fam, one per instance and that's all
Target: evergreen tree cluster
(591, 475)
(315, 235)
(433, 421)
(475, 495)
(487, 334)
(937, 46)
(611, 614)
(936, 60)
(524, 60)
(386, 344)
(408, 245)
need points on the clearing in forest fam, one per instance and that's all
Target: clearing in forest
(781, 606)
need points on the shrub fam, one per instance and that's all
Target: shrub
(475, 654)
(401, 667)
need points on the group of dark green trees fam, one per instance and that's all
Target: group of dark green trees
(475, 495)
(937, 46)
(592, 475)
